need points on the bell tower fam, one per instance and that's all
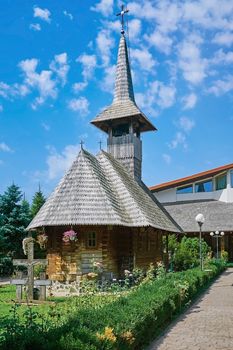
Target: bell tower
(122, 120)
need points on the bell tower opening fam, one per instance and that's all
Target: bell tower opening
(125, 145)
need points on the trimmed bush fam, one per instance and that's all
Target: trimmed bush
(6, 266)
(129, 322)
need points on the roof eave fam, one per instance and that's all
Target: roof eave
(146, 125)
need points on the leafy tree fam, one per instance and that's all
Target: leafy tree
(37, 202)
(14, 217)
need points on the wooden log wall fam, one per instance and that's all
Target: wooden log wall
(117, 248)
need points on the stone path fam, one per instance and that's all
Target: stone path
(208, 324)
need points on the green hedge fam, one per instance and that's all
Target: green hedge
(130, 322)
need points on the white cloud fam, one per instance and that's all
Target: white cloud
(5, 148)
(43, 14)
(89, 63)
(42, 81)
(186, 124)
(222, 86)
(167, 158)
(68, 14)
(11, 91)
(107, 83)
(105, 7)
(191, 63)
(223, 57)
(80, 105)
(45, 82)
(179, 140)
(168, 15)
(208, 14)
(60, 66)
(35, 26)
(143, 10)
(77, 87)
(104, 44)
(166, 95)
(161, 41)
(223, 38)
(135, 26)
(157, 96)
(189, 101)
(144, 58)
(59, 163)
(4, 89)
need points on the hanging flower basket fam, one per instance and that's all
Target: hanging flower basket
(69, 236)
(42, 240)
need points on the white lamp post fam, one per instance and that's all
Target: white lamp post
(200, 221)
(217, 235)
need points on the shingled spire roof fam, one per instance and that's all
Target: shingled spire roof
(99, 191)
(123, 85)
(124, 105)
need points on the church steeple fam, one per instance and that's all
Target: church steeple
(123, 84)
(123, 120)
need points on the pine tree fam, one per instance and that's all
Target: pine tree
(14, 217)
(37, 202)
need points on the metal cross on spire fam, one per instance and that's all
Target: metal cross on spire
(122, 14)
(81, 144)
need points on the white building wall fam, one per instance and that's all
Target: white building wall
(170, 194)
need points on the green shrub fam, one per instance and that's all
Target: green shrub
(186, 255)
(129, 321)
(224, 256)
(6, 266)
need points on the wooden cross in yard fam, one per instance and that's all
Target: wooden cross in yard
(30, 262)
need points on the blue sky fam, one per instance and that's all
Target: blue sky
(57, 66)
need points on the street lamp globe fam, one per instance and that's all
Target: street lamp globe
(200, 219)
(217, 235)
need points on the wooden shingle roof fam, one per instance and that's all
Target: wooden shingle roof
(99, 191)
(124, 105)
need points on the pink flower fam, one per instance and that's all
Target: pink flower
(69, 236)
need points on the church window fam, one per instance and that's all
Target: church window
(185, 189)
(231, 174)
(91, 240)
(204, 186)
(221, 182)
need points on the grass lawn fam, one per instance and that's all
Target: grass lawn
(63, 305)
(7, 293)
(7, 298)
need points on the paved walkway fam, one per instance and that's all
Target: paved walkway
(208, 324)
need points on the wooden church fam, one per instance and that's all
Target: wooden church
(101, 211)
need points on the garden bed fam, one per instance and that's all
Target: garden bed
(121, 321)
